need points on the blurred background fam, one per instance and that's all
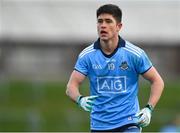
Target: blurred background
(39, 44)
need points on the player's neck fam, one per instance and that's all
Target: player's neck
(109, 46)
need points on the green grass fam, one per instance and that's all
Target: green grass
(26, 106)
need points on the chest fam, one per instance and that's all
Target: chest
(118, 65)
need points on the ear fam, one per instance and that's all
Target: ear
(119, 26)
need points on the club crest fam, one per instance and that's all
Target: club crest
(124, 65)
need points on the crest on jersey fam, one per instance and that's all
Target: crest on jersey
(124, 65)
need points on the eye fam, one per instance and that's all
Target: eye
(109, 21)
(100, 21)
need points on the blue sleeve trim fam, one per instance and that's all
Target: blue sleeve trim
(80, 72)
(146, 70)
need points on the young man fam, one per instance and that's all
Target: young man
(113, 65)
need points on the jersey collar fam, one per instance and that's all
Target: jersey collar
(121, 43)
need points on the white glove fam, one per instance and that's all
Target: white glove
(144, 116)
(86, 102)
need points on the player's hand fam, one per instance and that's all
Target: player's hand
(86, 102)
(144, 117)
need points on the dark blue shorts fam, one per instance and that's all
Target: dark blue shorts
(125, 128)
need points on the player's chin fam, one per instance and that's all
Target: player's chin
(104, 38)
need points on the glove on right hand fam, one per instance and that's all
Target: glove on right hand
(86, 102)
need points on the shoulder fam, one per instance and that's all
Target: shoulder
(89, 49)
(133, 49)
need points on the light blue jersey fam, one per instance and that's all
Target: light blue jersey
(114, 78)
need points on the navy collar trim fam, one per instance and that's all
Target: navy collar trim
(121, 43)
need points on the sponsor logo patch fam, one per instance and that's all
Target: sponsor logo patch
(110, 84)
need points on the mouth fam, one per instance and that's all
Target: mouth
(103, 32)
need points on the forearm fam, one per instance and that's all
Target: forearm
(72, 92)
(156, 90)
(73, 85)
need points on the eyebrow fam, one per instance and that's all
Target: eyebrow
(105, 19)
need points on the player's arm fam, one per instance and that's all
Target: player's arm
(75, 81)
(86, 102)
(157, 85)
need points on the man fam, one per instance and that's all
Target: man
(113, 65)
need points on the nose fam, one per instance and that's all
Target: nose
(103, 25)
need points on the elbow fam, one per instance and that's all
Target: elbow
(162, 83)
(67, 90)
(159, 83)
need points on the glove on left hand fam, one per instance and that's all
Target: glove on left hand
(144, 117)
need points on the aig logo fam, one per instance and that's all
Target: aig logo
(111, 84)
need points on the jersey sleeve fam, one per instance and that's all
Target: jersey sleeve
(81, 66)
(143, 63)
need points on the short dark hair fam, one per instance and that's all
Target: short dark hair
(114, 10)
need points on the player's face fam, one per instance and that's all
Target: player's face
(107, 27)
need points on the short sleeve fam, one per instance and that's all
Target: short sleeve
(81, 65)
(143, 63)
